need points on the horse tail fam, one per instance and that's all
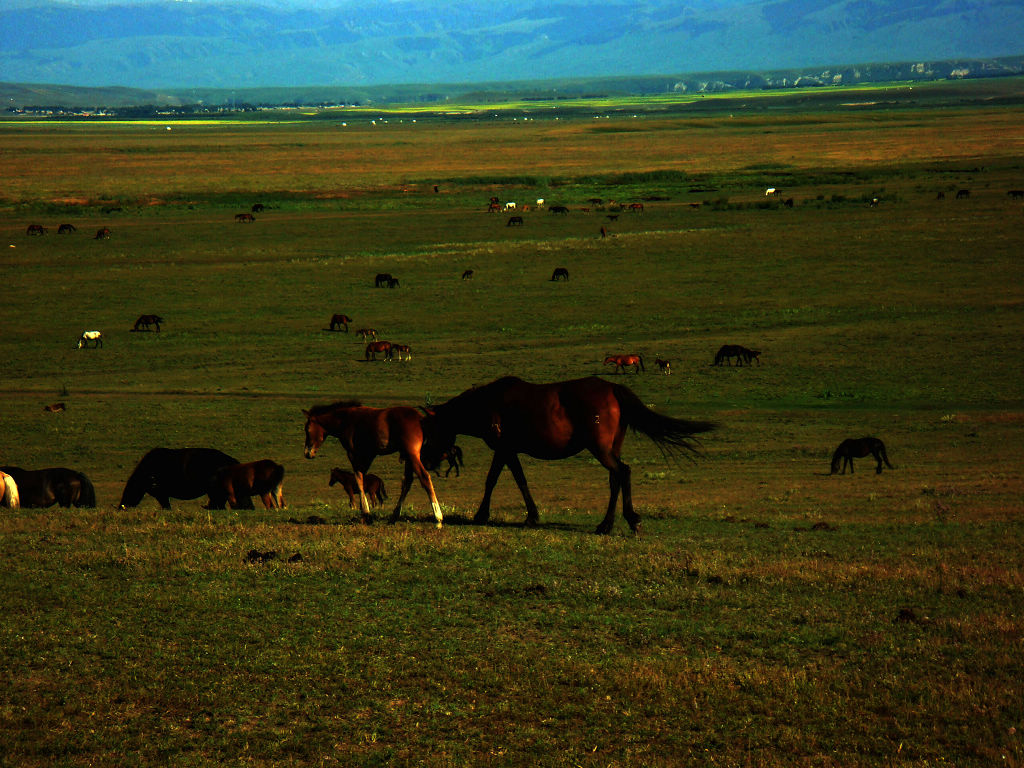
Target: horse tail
(884, 455)
(642, 368)
(10, 497)
(673, 436)
(86, 493)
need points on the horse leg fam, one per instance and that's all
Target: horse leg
(484, 511)
(421, 472)
(619, 478)
(532, 516)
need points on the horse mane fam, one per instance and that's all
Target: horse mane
(319, 410)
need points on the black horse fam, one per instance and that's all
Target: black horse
(742, 355)
(858, 448)
(178, 473)
(56, 485)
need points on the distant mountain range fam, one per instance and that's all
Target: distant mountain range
(164, 44)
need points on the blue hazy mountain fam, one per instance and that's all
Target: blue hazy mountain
(234, 44)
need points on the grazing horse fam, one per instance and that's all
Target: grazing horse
(636, 207)
(373, 486)
(393, 282)
(963, 194)
(103, 233)
(340, 321)
(493, 207)
(366, 433)
(245, 218)
(54, 408)
(35, 230)
(664, 365)
(514, 221)
(560, 273)
(560, 209)
(9, 496)
(66, 229)
(402, 351)
(56, 485)
(508, 207)
(258, 208)
(144, 321)
(621, 362)
(1016, 194)
(858, 448)
(556, 421)
(263, 478)
(382, 279)
(383, 347)
(728, 351)
(178, 473)
(452, 455)
(467, 274)
(96, 337)
(368, 333)
(772, 192)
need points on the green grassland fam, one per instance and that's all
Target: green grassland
(768, 615)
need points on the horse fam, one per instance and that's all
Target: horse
(453, 456)
(366, 433)
(403, 352)
(258, 208)
(341, 321)
(556, 421)
(382, 279)
(560, 273)
(1016, 194)
(858, 448)
(508, 207)
(103, 233)
(393, 282)
(368, 333)
(96, 337)
(263, 478)
(55, 485)
(383, 347)
(66, 229)
(664, 365)
(621, 362)
(514, 221)
(373, 486)
(34, 230)
(560, 209)
(493, 207)
(636, 207)
(9, 496)
(54, 408)
(772, 192)
(963, 194)
(467, 274)
(144, 321)
(728, 351)
(179, 473)
(245, 218)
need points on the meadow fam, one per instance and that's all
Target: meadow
(769, 614)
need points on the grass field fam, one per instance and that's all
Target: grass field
(768, 615)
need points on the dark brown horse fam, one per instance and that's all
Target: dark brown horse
(56, 485)
(144, 321)
(858, 448)
(245, 218)
(179, 473)
(340, 321)
(366, 433)
(373, 486)
(726, 352)
(622, 362)
(235, 482)
(556, 421)
(560, 273)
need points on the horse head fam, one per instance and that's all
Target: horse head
(315, 435)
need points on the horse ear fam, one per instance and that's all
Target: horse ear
(305, 413)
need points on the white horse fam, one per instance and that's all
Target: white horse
(9, 496)
(96, 337)
(772, 192)
(509, 207)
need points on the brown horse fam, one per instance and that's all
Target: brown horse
(858, 448)
(144, 321)
(366, 433)
(263, 478)
(368, 333)
(556, 421)
(622, 362)
(664, 365)
(245, 218)
(340, 321)
(401, 351)
(382, 347)
(103, 233)
(372, 485)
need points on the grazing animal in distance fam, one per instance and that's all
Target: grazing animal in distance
(340, 321)
(664, 365)
(43, 488)
(54, 408)
(375, 347)
(373, 486)
(560, 273)
(103, 233)
(1016, 194)
(66, 229)
(452, 455)
(95, 337)
(556, 421)
(144, 321)
(381, 280)
(467, 274)
(35, 230)
(9, 496)
(728, 351)
(263, 478)
(622, 362)
(559, 209)
(245, 218)
(772, 192)
(402, 351)
(858, 448)
(258, 208)
(393, 282)
(366, 433)
(179, 473)
(963, 194)
(368, 333)
(509, 207)
(636, 207)
(514, 221)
